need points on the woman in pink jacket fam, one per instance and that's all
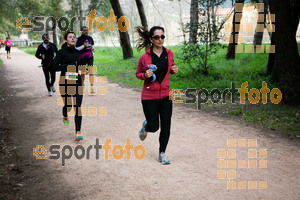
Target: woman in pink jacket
(154, 68)
(7, 47)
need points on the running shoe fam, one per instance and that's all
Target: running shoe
(83, 88)
(78, 136)
(66, 121)
(52, 88)
(163, 159)
(143, 133)
(50, 93)
(92, 90)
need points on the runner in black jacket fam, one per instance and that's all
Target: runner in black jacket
(45, 51)
(65, 57)
(85, 46)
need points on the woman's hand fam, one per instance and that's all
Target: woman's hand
(148, 73)
(174, 68)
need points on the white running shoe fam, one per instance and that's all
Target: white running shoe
(163, 159)
(52, 88)
(143, 133)
(50, 93)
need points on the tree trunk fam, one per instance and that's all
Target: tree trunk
(214, 21)
(61, 39)
(181, 21)
(142, 14)
(194, 17)
(208, 8)
(164, 22)
(287, 62)
(124, 36)
(271, 59)
(258, 36)
(231, 47)
(80, 14)
(295, 14)
(54, 33)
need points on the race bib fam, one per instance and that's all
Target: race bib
(71, 76)
(88, 46)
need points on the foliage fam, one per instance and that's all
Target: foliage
(197, 55)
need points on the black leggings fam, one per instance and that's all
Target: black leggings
(7, 49)
(47, 72)
(163, 109)
(78, 118)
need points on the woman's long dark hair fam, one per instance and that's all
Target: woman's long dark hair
(65, 37)
(145, 35)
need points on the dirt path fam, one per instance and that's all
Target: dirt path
(192, 149)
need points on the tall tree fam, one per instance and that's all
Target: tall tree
(213, 19)
(102, 7)
(80, 13)
(208, 10)
(286, 68)
(142, 14)
(182, 26)
(75, 11)
(124, 36)
(6, 16)
(271, 59)
(163, 20)
(194, 17)
(258, 35)
(55, 10)
(231, 47)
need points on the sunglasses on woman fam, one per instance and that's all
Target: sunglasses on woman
(158, 37)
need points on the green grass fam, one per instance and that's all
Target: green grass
(245, 67)
(110, 63)
(277, 117)
(29, 50)
(1, 90)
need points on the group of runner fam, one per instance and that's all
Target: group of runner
(154, 68)
(47, 50)
(7, 44)
(74, 52)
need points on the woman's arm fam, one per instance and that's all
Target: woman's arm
(38, 53)
(174, 68)
(57, 66)
(139, 73)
